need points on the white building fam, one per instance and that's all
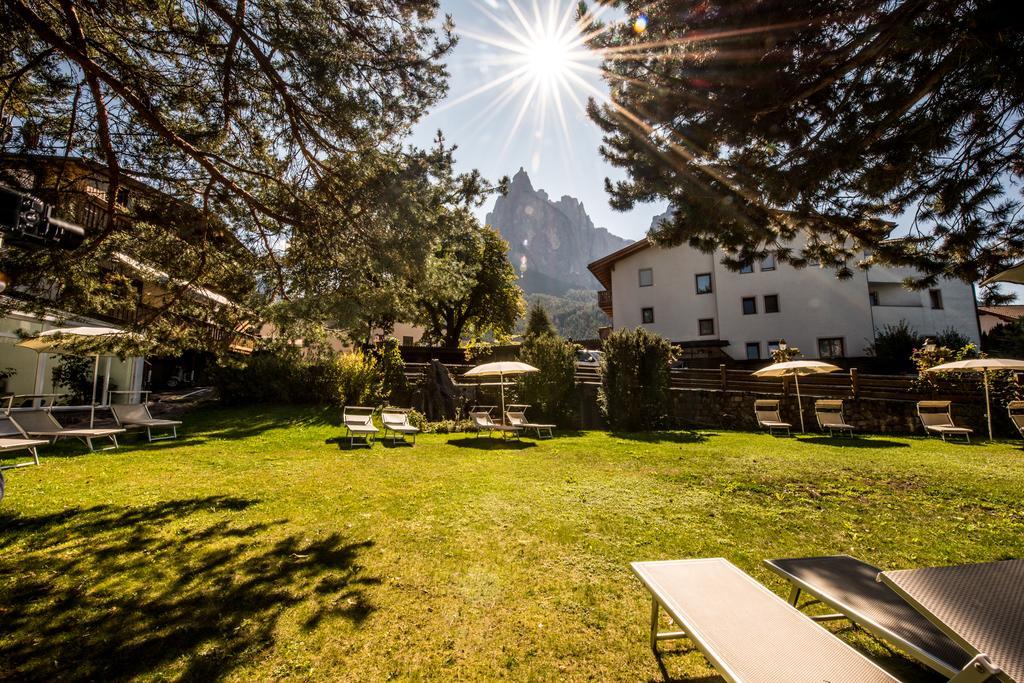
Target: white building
(688, 296)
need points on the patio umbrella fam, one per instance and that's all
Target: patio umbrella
(500, 369)
(70, 341)
(982, 365)
(795, 368)
(1014, 274)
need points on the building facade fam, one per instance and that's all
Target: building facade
(690, 298)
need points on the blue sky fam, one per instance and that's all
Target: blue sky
(560, 158)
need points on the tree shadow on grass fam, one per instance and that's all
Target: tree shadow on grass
(482, 443)
(110, 593)
(851, 442)
(675, 436)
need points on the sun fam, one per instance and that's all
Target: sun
(549, 57)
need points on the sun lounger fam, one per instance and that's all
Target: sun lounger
(41, 423)
(137, 415)
(1016, 411)
(516, 416)
(767, 413)
(396, 421)
(13, 438)
(358, 421)
(747, 632)
(830, 417)
(480, 422)
(937, 418)
(851, 587)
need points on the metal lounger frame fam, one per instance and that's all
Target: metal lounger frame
(834, 408)
(762, 405)
(143, 424)
(940, 408)
(84, 438)
(524, 423)
(847, 612)
(399, 435)
(491, 426)
(368, 436)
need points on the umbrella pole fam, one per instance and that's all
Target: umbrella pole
(501, 381)
(95, 378)
(799, 403)
(988, 407)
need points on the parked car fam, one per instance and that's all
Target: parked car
(589, 359)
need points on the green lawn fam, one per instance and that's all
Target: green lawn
(257, 548)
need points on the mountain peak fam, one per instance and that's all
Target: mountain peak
(521, 180)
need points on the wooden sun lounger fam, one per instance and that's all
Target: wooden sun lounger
(396, 421)
(937, 418)
(516, 415)
(137, 415)
(748, 633)
(41, 423)
(358, 422)
(851, 587)
(13, 439)
(767, 413)
(829, 413)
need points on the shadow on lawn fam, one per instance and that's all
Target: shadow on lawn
(662, 437)
(107, 592)
(854, 442)
(483, 443)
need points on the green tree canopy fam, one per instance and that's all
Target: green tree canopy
(469, 284)
(538, 322)
(760, 121)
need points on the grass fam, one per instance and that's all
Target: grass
(257, 548)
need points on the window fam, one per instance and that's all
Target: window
(705, 326)
(704, 283)
(753, 350)
(749, 305)
(874, 298)
(647, 316)
(771, 303)
(747, 267)
(646, 277)
(830, 347)
(768, 262)
(407, 341)
(936, 298)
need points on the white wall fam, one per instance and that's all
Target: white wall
(813, 303)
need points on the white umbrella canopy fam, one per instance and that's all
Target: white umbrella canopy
(982, 365)
(499, 369)
(1014, 274)
(76, 341)
(796, 368)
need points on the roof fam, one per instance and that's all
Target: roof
(602, 267)
(1006, 313)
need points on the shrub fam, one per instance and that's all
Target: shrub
(635, 380)
(74, 373)
(894, 345)
(392, 369)
(538, 322)
(952, 338)
(358, 379)
(552, 391)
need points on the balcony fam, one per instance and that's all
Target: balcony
(604, 301)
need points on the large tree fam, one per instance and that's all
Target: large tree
(469, 286)
(761, 120)
(279, 118)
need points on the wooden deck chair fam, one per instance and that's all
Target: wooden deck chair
(1016, 411)
(137, 416)
(767, 413)
(13, 438)
(396, 421)
(516, 416)
(830, 417)
(480, 422)
(747, 632)
(38, 422)
(937, 418)
(851, 587)
(358, 422)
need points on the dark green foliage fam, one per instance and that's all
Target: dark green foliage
(74, 375)
(392, 369)
(635, 380)
(1005, 341)
(952, 338)
(756, 120)
(994, 296)
(894, 345)
(575, 315)
(538, 322)
(551, 393)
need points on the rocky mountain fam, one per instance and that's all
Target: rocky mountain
(550, 242)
